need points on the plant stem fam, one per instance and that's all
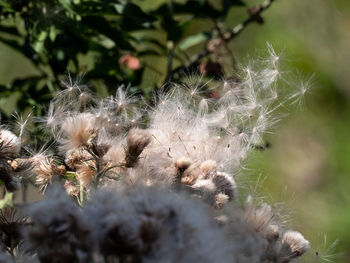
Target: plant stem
(237, 30)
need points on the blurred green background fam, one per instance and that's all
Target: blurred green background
(308, 164)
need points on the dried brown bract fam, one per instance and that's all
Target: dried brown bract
(136, 141)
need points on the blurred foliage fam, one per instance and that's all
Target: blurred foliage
(109, 42)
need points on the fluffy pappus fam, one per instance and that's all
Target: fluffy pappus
(136, 141)
(78, 131)
(10, 144)
(293, 245)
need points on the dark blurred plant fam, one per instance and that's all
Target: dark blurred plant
(143, 44)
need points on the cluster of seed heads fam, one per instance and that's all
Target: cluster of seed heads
(130, 181)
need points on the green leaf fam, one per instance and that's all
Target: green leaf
(134, 12)
(67, 4)
(93, 8)
(9, 104)
(6, 6)
(229, 3)
(71, 176)
(38, 46)
(7, 200)
(52, 33)
(193, 40)
(102, 26)
(12, 43)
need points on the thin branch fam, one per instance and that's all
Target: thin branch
(228, 36)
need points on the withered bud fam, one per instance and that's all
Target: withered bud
(76, 158)
(136, 141)
(20, 165)
(6, 176)
(182, 164)
(272, 233)
(86, 173)
(10, 226)
(225, 184)
(190, 175)
(293, 245)
(207, 167)
(46, 171)
(10, 144)
(71, 188)
(220, 200)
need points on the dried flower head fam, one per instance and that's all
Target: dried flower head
(136, 141)
(8, 177)
(10, 226)
(207, 167)
(78, 131)
(86, 173)
(293, 245)
(10, 144)
(46, 171)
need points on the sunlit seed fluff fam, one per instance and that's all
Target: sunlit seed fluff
(78, 131)
(293, 245)
(76, 157)
(46, 171)
(85, 173)
(183, 163)
(10, 144)
(71, 188)
(272, 232)
(136, 141)
(190, 175)
(115, 154)
(225, 184)
(258, 217)
(207, 167)
(217, 190)
(220, 200)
